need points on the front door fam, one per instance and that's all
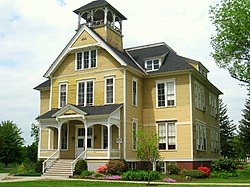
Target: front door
(80, 139)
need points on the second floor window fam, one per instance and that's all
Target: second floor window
(165, 93)
(213, 104)
(86, 93)
(109, 90)
(86, 59)
(199, 96)
(62, 95)
(134, 92)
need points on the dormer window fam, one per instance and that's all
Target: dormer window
(86, 59)
(152, 64)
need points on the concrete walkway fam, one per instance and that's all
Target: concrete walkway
(5, 177)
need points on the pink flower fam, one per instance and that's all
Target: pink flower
(115, 177)
(169, 180)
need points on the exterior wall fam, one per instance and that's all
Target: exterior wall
(84, 39)
(44, 101)
(208, 120)
(180, 113)
(133, 112)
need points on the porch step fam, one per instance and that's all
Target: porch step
(60, 168)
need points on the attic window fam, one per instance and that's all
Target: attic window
(152, 64)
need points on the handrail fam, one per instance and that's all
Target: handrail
(74, 162)
(44, 162)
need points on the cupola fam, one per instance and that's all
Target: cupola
(104, 19)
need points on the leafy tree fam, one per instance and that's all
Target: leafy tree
(34, 132)
(147, 148)
(11, 143)
(227, 131)
(231, 43)
(244, 126)
(237, 146)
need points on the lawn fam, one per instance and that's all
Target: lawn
(83, 184)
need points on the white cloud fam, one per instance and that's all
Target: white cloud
(33, 33)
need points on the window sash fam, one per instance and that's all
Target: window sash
(134, 134)
(86, 59)
(201, 137)
(63, 95)
(134, 92)
(167, 136)
(165, 93)
(109, 90)
(152, 65)
(64, 136)
(86, 93)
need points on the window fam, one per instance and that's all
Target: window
(201, 137)
(109, 90)
(105, 137)
(134, 134)
(64, 136)
(62, 95)
(86, 93)
(199, 96)
(167, 136)
(86, 59)
(134, 92)
(165, 93)
(214, 140)
(213, 104)
(131, 165)
(152, 65)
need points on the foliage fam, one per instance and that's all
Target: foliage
(147, 147)
(140, 175)
(86, 173)
(232, 42)
(174, 169)
(116, 167)
(227, 131)
(80, 166)
(244, 127)
(223, 174)
(34, 132)
(204, 169)
(11, 143)
(102, 169)
(39, 166)
(224, 164)
(27, 168)
(237, 146)
(194, 174)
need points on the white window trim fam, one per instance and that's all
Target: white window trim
(136, 129)
(166, 124)
(136, 97)
(203, 125)
(105, 88)
(85, 87)
(152, 59)
(59, 93)
(165, 81)
(67, 124)
(89, 50)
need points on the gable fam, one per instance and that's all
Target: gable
(84, 39)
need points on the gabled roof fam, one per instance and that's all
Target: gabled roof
(67, 49)
(45, 85)
(170, 60)
(97, 4)
(88, 110)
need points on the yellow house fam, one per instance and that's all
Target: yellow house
(98, 94)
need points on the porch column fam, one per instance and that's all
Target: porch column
(59, 140)
(109, 145)
(86, 137)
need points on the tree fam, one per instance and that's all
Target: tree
(244, 126)
(148, 148)
(34, 132)
(11, 143)
(231, 44)
(227, 131)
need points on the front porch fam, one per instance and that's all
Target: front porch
(73, 132)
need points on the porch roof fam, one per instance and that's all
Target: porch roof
(89, 110)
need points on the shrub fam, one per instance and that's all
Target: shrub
(194, 173)
(224, 164)
(116, 167)
(205, 169)
(86, 173)
(80, 166)
(39, 166)
(240, 167)
(174, 169)
(222, 175)
(140, 175)
(102, 169)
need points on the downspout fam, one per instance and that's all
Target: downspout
(124, 115)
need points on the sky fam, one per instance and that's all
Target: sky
(34, 32)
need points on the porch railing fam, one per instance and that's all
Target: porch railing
(50, 160)
(82, 155)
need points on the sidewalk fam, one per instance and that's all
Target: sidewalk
(5, 177)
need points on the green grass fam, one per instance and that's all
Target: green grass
(82, 184)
